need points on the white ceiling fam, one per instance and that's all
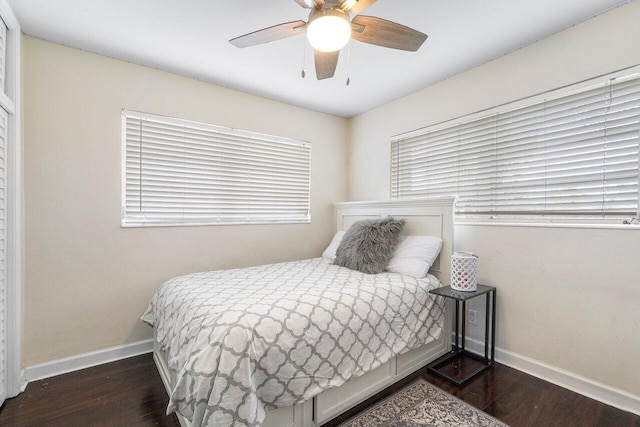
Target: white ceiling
(190, 37)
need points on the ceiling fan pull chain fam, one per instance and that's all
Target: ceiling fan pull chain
(349, 63)
(304, 59)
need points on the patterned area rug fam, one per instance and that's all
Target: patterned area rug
(423, 404)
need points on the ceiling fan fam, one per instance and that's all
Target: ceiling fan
(329, 29)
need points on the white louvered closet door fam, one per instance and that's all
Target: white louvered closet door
(3, 222)
(10, 214)
(3, 256)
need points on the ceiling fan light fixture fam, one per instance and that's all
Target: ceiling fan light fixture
(329, 29)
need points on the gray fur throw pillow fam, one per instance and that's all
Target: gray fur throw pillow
(368, 245)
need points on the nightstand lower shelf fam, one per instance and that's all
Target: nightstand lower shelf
(459, 366)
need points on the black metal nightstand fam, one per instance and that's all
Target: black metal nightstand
(460, 365)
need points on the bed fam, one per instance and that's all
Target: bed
(256, 366)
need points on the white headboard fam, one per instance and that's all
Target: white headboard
(432, 217)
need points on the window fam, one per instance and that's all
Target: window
(179, 172)
(569, 153)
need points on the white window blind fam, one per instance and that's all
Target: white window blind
(179, 172)
(574, 154)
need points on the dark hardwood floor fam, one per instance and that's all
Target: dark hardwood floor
(124, 393)
(130, 393)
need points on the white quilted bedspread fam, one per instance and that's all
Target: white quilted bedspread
(247, 340)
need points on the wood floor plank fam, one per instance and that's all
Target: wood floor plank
(522, 400)
(130, 393)
(124, 393)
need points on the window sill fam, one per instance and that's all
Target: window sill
(133, 224)
(594, 225)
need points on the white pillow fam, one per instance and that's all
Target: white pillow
(330, 252)
(415, 255)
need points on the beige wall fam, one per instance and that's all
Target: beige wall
(87, 279)
(567, 297)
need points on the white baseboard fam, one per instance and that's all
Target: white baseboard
(23, 380)
(86, 360)
(569, 380)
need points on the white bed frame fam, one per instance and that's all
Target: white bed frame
(432, 217)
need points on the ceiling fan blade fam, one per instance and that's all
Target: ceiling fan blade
(277, 32)
(326, 63)
(307, 4)
(356, 6)
(385, 33)
(311, 4)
